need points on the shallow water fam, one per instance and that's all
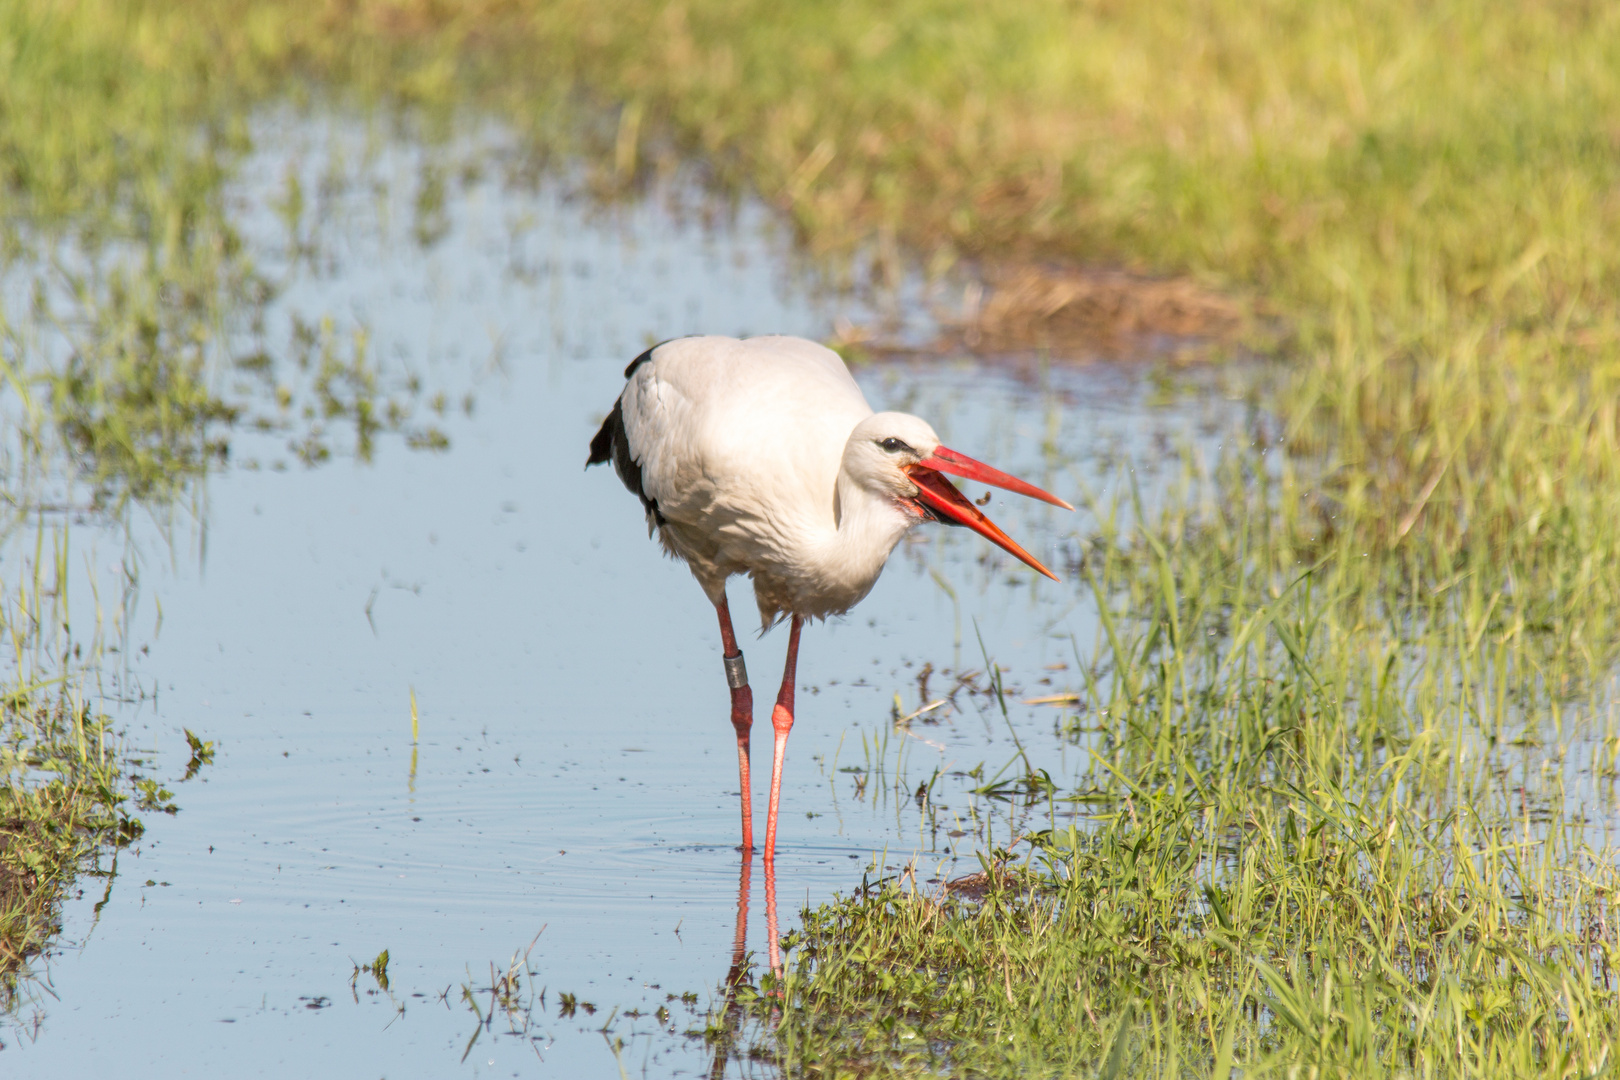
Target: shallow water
(575, 775)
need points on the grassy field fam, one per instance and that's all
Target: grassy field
(1352, 734)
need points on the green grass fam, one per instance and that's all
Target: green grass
(1424, 195)
(1339, 820)
(1421, 195)
(63, 796)
(1331, 822)
(69, 795)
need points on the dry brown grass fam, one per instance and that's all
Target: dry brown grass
(1063, 308)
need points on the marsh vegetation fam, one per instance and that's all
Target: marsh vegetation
(1346, 721)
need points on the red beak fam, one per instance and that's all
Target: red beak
(939, 495)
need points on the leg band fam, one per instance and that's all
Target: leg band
(736, 672)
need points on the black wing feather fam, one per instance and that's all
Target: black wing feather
(611, 443)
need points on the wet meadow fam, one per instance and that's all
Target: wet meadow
(348, 725)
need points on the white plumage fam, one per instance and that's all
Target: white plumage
(762, 457)
(740, 445)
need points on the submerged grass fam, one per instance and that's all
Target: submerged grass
(1350, 721)
(69, 795)
(63, 806)
(131, 310)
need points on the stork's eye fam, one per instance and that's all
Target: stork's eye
(894, 446)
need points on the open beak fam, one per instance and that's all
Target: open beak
(940, 496)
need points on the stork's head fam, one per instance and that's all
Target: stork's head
(898, 456)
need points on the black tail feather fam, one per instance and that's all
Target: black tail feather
(602, 444)
(611, 443)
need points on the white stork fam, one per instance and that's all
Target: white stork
(762, 457)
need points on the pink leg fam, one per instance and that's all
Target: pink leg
(782, 721)
(742, 719)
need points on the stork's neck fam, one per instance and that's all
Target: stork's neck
(869, 525)
(835, 559)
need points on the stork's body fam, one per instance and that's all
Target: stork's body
(762, 457)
